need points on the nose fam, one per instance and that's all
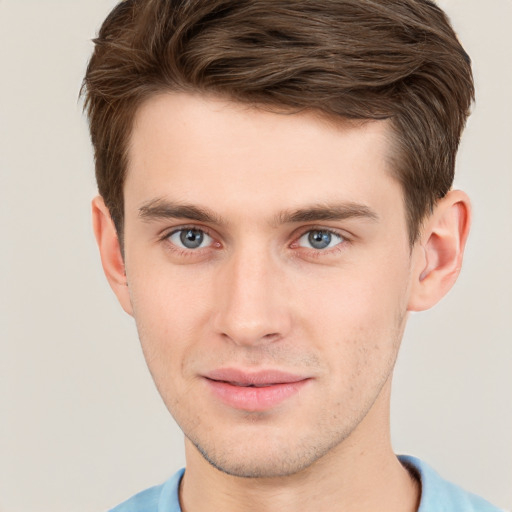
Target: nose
(252, 307)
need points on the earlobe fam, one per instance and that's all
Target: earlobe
(438, 255)
(110, 252)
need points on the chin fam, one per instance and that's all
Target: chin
(251, 468)
(273, 459)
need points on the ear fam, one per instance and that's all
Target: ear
(438, 254)
(110, 252)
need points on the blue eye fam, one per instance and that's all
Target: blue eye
(190, 238)
(320, 239)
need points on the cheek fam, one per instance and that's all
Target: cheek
(170, 313)
(357, 315)
(357, 299)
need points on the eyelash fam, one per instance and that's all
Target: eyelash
(315, 253)
(183, 251)
(318, 253)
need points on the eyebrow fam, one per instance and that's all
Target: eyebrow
(161, 208)
(333, 212)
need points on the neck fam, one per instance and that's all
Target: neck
(361, 474)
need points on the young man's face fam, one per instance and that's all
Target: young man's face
(268, 270)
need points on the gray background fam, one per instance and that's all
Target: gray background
(81, 425)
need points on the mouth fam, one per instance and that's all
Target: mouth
(241, 384)
(254, 391)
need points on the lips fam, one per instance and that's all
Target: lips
(254, 391)
(241, 384)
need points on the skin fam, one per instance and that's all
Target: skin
(256, 295)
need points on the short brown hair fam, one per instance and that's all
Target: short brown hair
(352, 59)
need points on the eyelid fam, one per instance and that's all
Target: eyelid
(175, 238)
(167, 232)
(327, 229)
(165, 235)
(334, 237)
(346, 239)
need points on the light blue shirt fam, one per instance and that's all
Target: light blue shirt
(437, 495)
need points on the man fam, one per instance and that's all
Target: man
(275, 197)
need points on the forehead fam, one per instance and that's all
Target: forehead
(230, 156)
